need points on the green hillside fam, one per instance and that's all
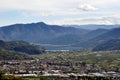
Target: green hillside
(21, 46)
(12, 55)
(113, 44)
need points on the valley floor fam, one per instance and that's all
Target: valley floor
(66, 64)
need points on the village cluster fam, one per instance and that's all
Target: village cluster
(39, 67)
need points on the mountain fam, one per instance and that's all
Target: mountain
(98, 36)
(112, 34)
(21, 46)
(93, 26)
(86, 40)
(94, 33)
(66, 39)
(40, 33)
(113, 44)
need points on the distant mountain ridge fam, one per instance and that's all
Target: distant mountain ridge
(94, 26)
(99, 39)
(41, 33)
(37, 32)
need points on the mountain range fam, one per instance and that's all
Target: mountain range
(41, 33)
(99, 36)
(93, 26)
(37, 32)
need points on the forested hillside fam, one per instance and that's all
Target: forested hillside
(21, 46)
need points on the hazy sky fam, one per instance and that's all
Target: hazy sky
(60, 11)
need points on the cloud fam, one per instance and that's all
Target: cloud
(87, 7)
(107, 20)
(61, 11)
(54, 5)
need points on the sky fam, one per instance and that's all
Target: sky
(60, 12)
